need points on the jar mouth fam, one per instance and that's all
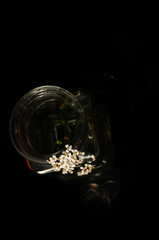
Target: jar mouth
(44, 120)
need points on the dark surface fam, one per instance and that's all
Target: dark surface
(131, 95)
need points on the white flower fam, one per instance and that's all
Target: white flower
(70, 148)
(70, 159)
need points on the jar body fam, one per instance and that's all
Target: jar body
(49, 117)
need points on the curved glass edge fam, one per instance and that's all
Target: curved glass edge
(23, 101)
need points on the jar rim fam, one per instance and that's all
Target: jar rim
(21, 106)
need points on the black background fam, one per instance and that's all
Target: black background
(71, 56)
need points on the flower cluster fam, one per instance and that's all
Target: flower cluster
(70, 159)
(87, 168)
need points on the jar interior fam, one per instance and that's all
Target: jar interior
(52, 125)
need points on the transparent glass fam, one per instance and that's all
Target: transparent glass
(48, 118)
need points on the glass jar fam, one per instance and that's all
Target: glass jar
(49, 118)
